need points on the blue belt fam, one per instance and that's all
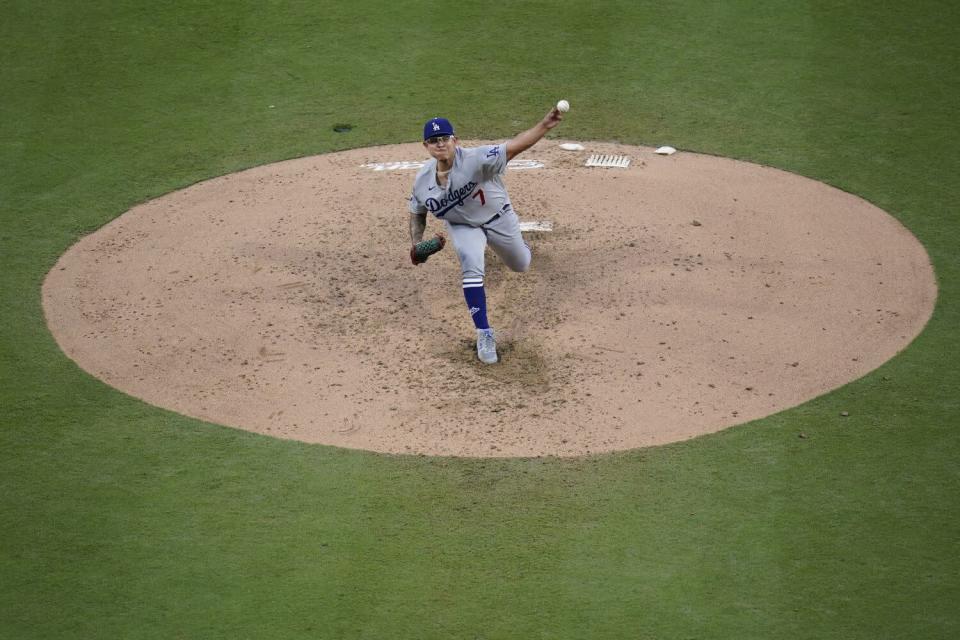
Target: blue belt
(479, 226)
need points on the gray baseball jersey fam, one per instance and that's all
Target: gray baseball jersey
(475, 192)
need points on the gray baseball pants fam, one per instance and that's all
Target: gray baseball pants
(503, 235)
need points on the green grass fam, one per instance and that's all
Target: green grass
(120, 520)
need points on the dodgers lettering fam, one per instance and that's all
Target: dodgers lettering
(451, 199)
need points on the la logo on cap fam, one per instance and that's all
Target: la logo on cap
(436, 127)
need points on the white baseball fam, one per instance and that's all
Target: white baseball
(563, 106)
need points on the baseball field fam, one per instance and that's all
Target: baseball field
(836, 518)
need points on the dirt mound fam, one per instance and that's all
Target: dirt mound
(675, 297)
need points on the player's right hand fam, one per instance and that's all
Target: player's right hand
(426, 248)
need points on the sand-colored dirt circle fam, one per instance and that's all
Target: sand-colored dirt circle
(675, 297)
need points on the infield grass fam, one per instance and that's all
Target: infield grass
(120, 520)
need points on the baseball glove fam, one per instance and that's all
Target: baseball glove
(426, 248)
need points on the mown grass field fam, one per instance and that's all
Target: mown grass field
(120, 520)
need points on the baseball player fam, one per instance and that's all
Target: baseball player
(464, 188)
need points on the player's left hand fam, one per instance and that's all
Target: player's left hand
(553, 118)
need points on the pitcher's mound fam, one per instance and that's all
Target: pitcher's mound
(674, 297)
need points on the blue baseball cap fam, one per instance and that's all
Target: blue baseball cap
(437, 127)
